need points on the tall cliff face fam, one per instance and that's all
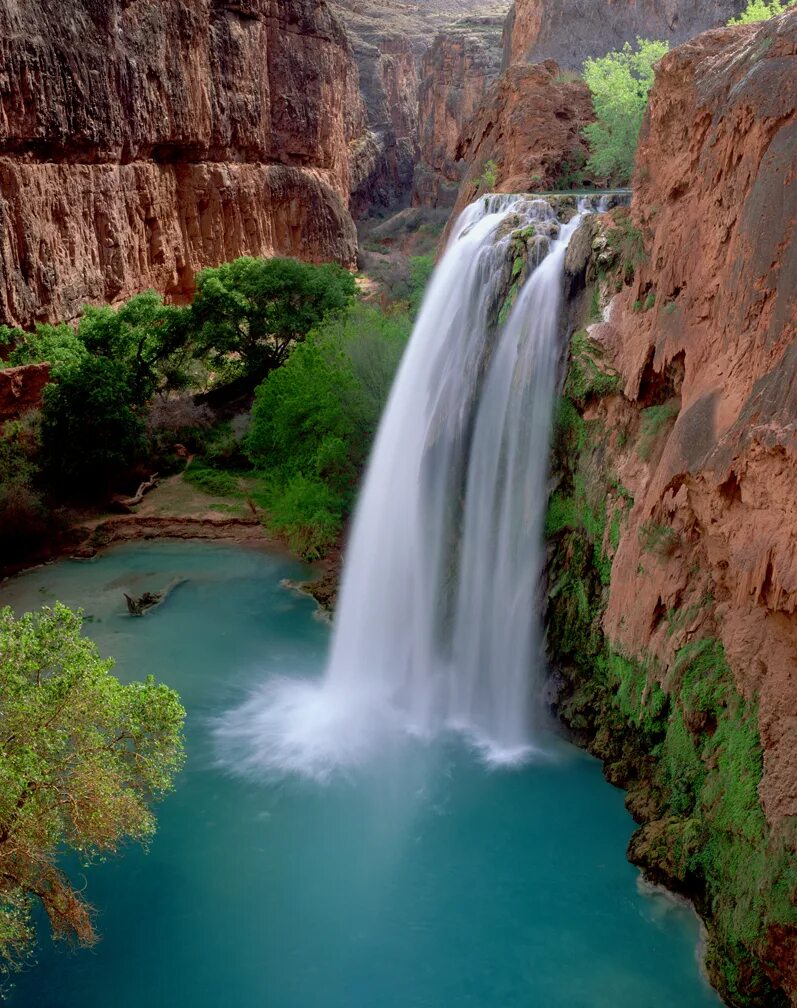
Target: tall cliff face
(570, 31)
(456, 72)
(140, 141)
(391, 41)
(674, 529)
(529, 128)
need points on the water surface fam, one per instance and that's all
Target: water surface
(426, 882)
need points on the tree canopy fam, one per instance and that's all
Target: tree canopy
(314, 419)
(82, 759)
(620, 83)
(90, 431)
(761, 10)
(257, 308)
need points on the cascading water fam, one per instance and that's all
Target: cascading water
(438, 625)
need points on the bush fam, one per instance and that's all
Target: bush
(90, 433)
(256, 309)
(24, 517)
(314, 419)
(761, 10)
(620, 83)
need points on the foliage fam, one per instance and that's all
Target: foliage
(256, 309)
(421, 269)
(314, 419)
(656, 538)
(148, 337)
(683, 738)
(57, 345)
(488, 179)
(626, 246)
(655, 421)
(213, 481)
(761, 10)
(90, 433)
(587, 376)
(83, 757)
(24, 515)
(620, 83)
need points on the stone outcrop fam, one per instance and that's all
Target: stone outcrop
(674, 528)
(456, 72)
(570, 31)
(390, 41)
(529, 128)
(141, 141)
(21, 389)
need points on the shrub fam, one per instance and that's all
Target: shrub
(620, 83)
(488, 179)
(761, 10)
(90, 433)
(256, 309)
(314, 419)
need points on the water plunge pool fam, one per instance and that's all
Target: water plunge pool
(425, 881)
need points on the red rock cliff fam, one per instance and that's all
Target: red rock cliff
(456, 72)
(530, 126)
(716, 201)
(141, 141)
(570, 31)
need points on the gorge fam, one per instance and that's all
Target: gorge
(579, 499)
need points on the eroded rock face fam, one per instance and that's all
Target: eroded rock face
(530, 126)
(21, 389)
(141, 141)
(698, 461)
(570, 31)
(390, 39)
(716, 201)
(456, 72)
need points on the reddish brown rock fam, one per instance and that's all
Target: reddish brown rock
(456, 72)
(21, 389)
(570, 31)
(530, 125)
(716, 201)
(141, 141)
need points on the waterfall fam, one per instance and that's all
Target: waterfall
(438, 623)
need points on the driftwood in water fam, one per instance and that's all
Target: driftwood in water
(138, 497)
(142, 604)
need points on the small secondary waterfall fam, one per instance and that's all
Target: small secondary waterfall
(438, 624)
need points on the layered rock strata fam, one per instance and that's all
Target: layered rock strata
(141, 141)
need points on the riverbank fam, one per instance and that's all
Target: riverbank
(174, 509)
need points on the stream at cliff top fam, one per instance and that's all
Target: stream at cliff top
(423, 881)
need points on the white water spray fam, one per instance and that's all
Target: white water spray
(438, 623)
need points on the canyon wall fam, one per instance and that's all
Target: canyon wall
(456, 72)
(422, 70)
(673, 528)
(141, 141)
(526, 136)
(570, 31)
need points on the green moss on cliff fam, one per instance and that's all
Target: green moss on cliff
(682, 739)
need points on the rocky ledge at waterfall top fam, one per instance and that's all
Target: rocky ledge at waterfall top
(140, 142)
(685, 553)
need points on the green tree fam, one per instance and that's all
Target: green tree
(24, 516)
(90, 432)
(57, 345)
(82, 759)
(620, 83)
(149, 337)
(314, 419)
(761, 10)
(253, 310)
